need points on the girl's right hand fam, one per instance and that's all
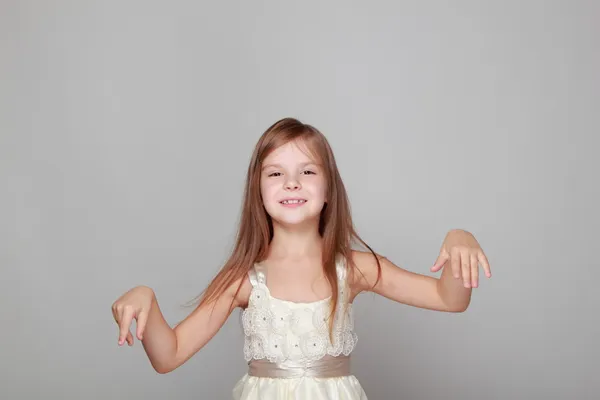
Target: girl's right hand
(134, 304)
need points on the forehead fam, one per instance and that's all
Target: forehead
(290, 153)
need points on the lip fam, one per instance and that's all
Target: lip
(295, 205)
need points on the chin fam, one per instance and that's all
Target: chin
(295, 221)
(307, 214)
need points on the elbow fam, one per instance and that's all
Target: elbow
(459, 308)
(165, 363)
(456, 305)
(163, 368)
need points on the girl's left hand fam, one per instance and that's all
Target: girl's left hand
(465, 254)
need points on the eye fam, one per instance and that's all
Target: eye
(274, 174)
(307, 172)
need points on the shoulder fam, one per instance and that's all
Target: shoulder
(366, 268)
(365, 258)
(239, 291)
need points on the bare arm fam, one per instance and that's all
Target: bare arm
(444, 294)
(168, 348)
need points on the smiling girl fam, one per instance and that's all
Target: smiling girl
(295, 274)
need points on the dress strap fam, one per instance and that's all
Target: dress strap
(257, 274)
(342, 275)
(341, 270)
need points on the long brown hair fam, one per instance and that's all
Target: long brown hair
(256, 227)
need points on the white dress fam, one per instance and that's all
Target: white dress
(285, 335)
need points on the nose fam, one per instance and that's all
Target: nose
(292, 184)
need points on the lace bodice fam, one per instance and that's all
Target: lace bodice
(280, 330)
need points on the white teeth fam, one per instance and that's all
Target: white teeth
(293, 201)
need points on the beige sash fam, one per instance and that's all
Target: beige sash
(327, 367)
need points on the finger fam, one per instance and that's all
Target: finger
(125, 323)
(141, 324)
(441, 260)
(474, 271)
(485, 264)
(115, 315)
(455, 263)
(465, 268)
(129, 339)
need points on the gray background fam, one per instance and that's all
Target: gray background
(126, 128)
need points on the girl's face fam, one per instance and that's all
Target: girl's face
(292, 186)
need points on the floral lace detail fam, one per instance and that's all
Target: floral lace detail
(279, 330)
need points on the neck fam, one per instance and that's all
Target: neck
(295, 241)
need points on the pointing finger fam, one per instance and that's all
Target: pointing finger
(125, 323)
(141, 324)
(129, 339)
(474, 271)
(486, 265)
(441, 260)
(455, 263)
(466, 268)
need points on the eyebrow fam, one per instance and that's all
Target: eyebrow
(280, 166)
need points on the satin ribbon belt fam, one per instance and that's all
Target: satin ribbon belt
(327, 367)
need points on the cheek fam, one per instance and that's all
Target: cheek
(318, 189)
(268, 190)
(323, 194)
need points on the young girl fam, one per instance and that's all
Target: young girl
(294, 275)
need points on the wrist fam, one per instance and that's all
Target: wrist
(146, 290)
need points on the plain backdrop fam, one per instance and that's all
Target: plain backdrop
(125, 132)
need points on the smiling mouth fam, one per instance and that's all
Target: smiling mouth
(293, 201)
